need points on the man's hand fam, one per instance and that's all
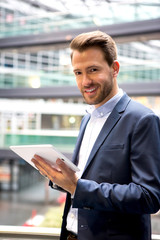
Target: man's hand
(65, 178)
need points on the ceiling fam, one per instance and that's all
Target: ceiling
(83, 7)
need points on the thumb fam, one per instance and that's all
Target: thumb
(62, 165)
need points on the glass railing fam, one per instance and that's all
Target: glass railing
(98, 16)
(139, 62)
(17, 78)
(65, 144)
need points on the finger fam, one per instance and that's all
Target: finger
(39, 167)
(41, 163)
(44, 164)
(36, 163)
(40, 159)
(43, 174)
(64, 168)
(45, 168)
(61, 164)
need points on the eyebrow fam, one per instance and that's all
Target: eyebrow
(75, 70)
(92, 66)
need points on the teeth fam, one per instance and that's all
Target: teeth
(91, 90)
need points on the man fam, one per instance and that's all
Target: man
(117, 151)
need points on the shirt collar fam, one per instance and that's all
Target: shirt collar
(106, 107)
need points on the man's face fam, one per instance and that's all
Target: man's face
(95, 79)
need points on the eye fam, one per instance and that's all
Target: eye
(77, 73)
(93, 69)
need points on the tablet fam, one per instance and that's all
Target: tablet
(46, 151)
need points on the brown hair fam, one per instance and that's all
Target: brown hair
(96, 39)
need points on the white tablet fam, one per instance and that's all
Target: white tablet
(46, 151)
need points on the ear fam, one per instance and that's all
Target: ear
(115, 67)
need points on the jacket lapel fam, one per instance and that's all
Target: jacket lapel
(108, 126)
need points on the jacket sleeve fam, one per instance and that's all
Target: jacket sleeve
(142, 194)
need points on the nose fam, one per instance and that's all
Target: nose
(86, 80)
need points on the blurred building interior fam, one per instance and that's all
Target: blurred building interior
(39, 100)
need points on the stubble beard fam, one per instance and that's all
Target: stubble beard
(104, 93)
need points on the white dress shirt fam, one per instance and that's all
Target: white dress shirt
(98, 118)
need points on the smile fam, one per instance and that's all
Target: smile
(90, 90)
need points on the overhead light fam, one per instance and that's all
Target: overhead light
(34, 81)
(72, 120)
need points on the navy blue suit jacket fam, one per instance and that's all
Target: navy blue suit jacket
(120, 186)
